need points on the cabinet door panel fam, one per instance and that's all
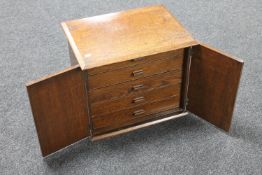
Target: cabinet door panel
(214, 79)
(59, 109)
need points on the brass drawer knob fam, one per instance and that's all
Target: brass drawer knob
(138, 73)
(138, 87)
(138, 99)
(139, 112)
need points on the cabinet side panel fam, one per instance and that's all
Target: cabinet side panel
(59, 108)
(214, 80)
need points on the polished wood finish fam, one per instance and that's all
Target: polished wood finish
(134, 100)
(58, 105)
(136, 61)
(136, 72)
(117, 37)
(135, 87)
(130, 70)
(214, 79)
(123, 111)
(133, 115)
(171, 116)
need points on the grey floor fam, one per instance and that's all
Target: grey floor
(32, 45)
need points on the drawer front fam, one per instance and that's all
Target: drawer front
(174, 62)
(135, 87)
(133, 115)
(134, 100)
(134, 62)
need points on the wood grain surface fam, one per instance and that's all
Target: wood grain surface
(136, 61)
(214, 80)
(171, 62)
(134, 100)
(59, 109)
(158, 118)
(130, 68)
(121, 36)
(133, 115)
(135, 87)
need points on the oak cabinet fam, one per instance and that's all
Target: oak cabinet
(130, 70)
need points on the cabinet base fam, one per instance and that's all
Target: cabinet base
(126, 130)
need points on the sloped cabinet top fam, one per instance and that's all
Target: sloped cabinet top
(120, 36)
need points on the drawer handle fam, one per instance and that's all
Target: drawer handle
(138, 73)
(138, 87)
(138, 99)
(139, 112)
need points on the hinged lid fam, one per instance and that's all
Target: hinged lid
(121, 36)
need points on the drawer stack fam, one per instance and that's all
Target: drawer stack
(134, 91)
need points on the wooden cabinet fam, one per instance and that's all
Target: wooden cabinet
(130, 70)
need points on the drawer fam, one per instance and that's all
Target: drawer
(133, 100)
(134, 62)
(133, 115)
(135, 87)
(174, 62)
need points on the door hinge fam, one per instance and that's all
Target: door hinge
(190, 51)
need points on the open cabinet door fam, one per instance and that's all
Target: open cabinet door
(213, 83)
(59, 107)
